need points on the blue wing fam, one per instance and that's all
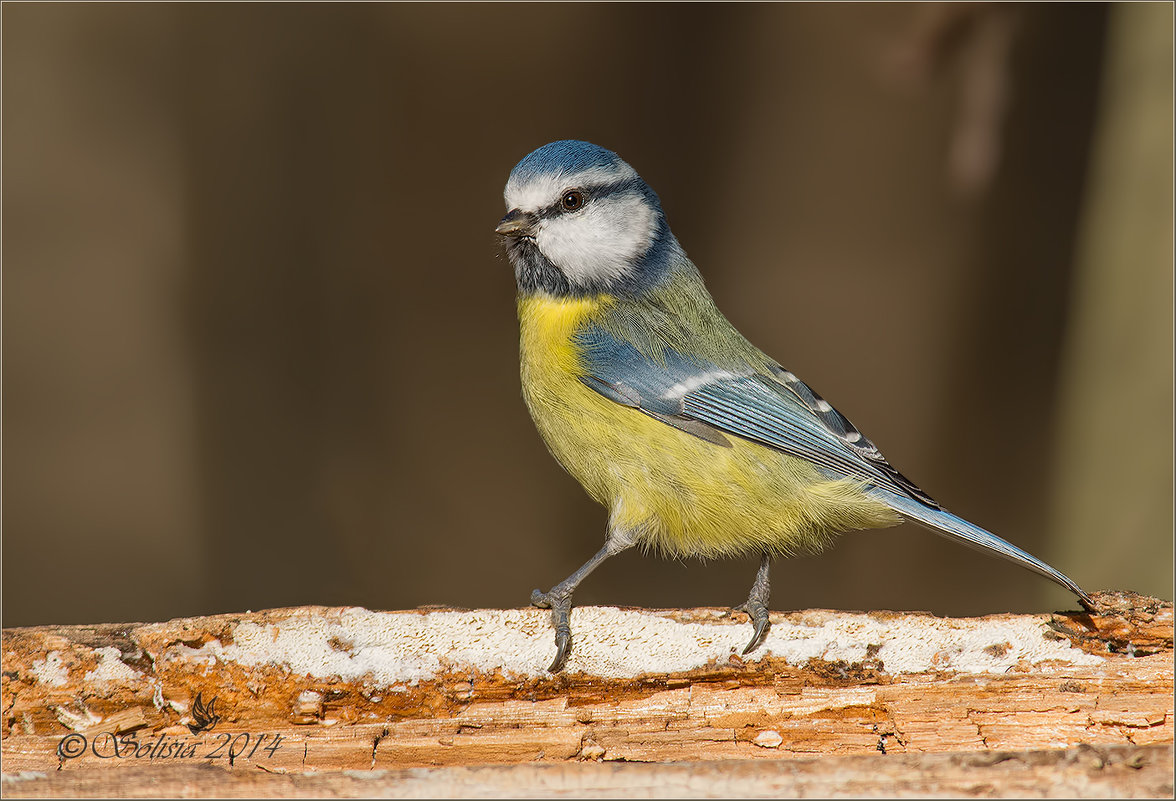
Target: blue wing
(777, 410)
(780, 411)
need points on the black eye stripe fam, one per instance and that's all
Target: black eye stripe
(590, 194)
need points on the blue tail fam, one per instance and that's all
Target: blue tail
(956, 528)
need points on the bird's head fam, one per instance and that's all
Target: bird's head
(580, 221)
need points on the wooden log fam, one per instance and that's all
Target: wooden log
(290, 691)
(1115, 771)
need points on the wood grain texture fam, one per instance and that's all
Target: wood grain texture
(288, 691)
(1084, 772)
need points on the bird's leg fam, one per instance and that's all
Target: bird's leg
(559, 599)
(756, 605)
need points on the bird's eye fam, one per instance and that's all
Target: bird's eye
(572, 200)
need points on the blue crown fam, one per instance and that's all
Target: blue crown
(568, 156)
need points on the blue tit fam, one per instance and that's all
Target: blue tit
(697, 442)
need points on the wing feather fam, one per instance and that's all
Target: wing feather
(704, 399)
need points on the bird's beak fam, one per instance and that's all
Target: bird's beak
(517, 223)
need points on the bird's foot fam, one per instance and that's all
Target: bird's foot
(756, 605)
(560, 604)
(758, 612)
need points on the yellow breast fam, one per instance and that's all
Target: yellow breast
(679, 493)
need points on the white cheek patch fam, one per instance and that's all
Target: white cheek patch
(538, 192)
(600, 242)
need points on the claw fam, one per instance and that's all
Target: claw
(756, 605)
(561, 607)
(563, 648)
(762, 624)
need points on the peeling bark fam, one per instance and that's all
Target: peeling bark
(324, 689)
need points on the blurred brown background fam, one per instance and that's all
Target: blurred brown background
(259, 339)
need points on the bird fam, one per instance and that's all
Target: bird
(697, 442)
